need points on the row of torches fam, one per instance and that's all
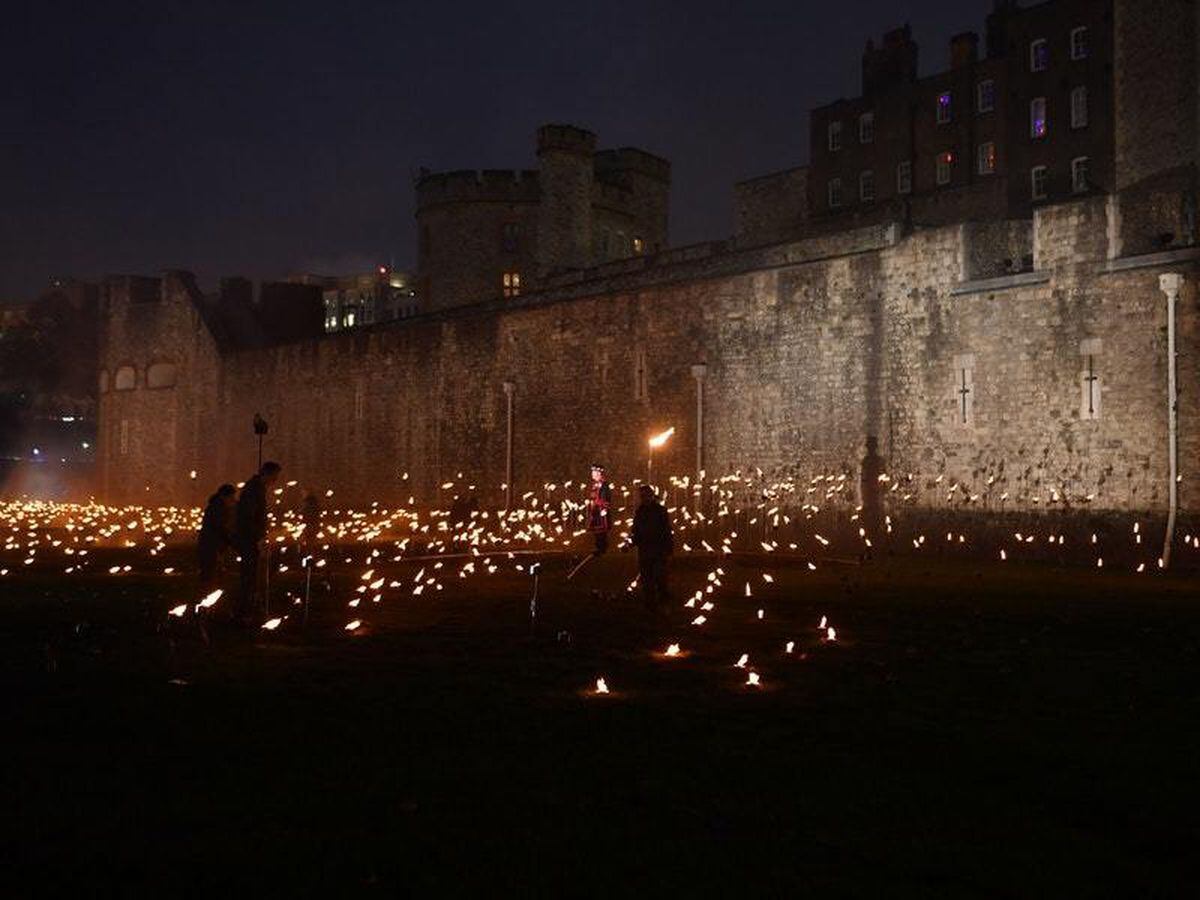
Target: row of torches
(488, 539)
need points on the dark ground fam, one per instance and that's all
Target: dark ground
(976, 730)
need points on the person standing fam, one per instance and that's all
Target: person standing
(310, 515)
(599, 520)
(251, 537)
(216, 535)
(655, 543)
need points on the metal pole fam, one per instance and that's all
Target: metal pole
(509, 388)
(1170, 284)
(698, 372)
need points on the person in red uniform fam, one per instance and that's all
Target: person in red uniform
(599, 520)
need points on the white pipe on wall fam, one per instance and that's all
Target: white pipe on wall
(1170, 284)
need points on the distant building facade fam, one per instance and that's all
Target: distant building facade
(1026, 122)
(354, 301)
(489, 234)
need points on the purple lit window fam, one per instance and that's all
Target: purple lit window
(1037, 118)
(944, 107)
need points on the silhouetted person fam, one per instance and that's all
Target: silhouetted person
(310, 515)
(652, 536)
(251, 535)
(216, 534)
(599, 522)
(870, 491)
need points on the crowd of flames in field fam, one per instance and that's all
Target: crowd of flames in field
(747, 515)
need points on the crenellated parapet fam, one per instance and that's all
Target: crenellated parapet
(477, 186)
(615, 165)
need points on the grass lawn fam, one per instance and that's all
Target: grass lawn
(976, 729)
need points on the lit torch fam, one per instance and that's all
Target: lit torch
(654, 443)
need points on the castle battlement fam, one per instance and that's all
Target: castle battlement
(477, 186)
(565, 139)
(621, 160)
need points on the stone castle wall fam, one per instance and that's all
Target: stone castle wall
(810, 348)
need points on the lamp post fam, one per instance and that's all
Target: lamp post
(509, 389)
(260, 429)
(653, 444)
(698, 372)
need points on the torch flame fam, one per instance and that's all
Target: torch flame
(661, 438)
(601, 686)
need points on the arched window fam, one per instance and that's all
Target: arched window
(160, 375)
(104, 381)
(126, 379)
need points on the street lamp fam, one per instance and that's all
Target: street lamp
(655, 443)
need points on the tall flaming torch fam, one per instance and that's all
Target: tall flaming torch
(655, 443)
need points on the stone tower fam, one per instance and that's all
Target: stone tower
(566, 173)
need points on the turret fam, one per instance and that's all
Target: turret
(565, 156)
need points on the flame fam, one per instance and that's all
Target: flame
(742, 660)
(211, 599)
(661, 438)
(673, 650)
(601, 686)
(272, 624)
(178, 611)
(752, 680)
(353, 625)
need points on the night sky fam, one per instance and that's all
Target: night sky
(226, 139)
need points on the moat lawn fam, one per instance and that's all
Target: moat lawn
(973, 730)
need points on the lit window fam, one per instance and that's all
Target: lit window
(986, 158)
(1079, 43)
(835, 193)
(944, 107)
(904, 178)
(350, 319)
(1037, 182)
(1039, 55)
(1037, 118)
(866, 128)
(985, 96)
(638, 246)
(835, 135)
(1079, 174)
(1079, 107)
(866, 186)
(512, 284)
(126, 379)
(945, 167)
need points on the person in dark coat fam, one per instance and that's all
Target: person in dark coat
(251, 537)
(655, 543)
(216, 534)
(599, 520)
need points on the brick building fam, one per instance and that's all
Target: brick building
(1026, 122)
(500, 233)
(1035, 386)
